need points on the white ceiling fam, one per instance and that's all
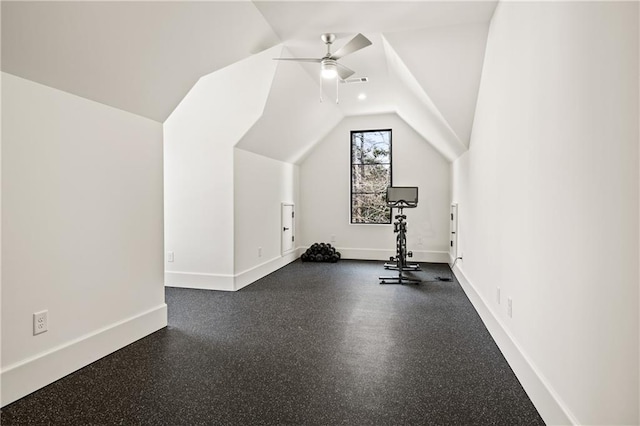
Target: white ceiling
(418, 30)
(299, 111)
(143, 57)
(447, 63)
(300, 20)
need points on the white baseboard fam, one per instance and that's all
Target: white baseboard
(198, 280)
(384, 254)
(244, 278)
(29, 375)
(229, 282)
(550, 406)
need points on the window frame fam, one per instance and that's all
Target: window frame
(351, 164)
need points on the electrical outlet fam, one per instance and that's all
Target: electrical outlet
(333, 238)
(169, 256)
(259, 251)
(40, 323)
(509, 307)
(498, 294)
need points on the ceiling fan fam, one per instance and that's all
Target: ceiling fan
(329, 65)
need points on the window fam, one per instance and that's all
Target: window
(370, 176)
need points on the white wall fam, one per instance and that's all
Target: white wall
(199, 137)
(548, 204)
(325, 191)
(261, 184)
(82, 232)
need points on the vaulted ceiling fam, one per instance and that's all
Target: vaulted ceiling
(143, 57)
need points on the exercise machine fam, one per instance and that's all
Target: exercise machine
(401, 197)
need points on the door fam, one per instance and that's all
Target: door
(288, 228)
(453, 227)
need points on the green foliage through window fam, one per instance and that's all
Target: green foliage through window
(370, 176)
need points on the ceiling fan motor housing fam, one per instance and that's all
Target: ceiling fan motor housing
(328, 38)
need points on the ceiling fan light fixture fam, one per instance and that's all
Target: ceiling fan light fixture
(329, 70)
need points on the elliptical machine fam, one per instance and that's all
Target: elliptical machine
(401, 197)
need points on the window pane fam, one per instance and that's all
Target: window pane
(369, 208)
(371, 147)
(370, 177)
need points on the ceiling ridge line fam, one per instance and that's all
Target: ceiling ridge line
(443, 138)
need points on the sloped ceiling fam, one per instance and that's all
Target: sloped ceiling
(143, 57)
(451, 75)
(417, 109)
(293, 119)
(425, 62)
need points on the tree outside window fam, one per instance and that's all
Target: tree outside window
(370, 176)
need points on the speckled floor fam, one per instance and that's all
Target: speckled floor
(310, 344)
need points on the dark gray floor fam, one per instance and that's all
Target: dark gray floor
(309, 344)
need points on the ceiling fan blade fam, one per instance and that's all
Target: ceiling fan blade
(344, 72)
(299, 59)
(355, 44)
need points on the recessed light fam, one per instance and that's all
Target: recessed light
(362, 96)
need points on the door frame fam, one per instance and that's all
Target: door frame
(293, 227)
(453, 229)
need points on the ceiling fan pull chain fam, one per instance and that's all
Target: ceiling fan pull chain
(337, 91)
(321, 88)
